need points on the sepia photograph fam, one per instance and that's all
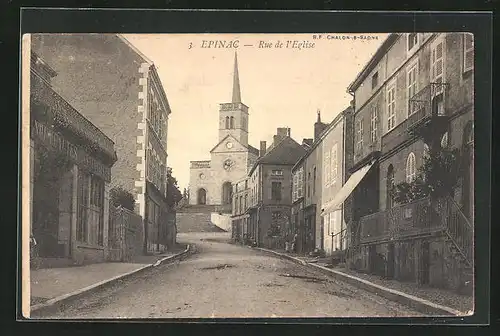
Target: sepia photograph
(217, 175)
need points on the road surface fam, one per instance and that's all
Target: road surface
(221, 280)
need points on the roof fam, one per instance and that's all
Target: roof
(286, 152)
(253, 150)
(134, 48)
(381, 51)
(323, 134)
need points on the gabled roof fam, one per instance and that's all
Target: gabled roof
(253, 150)
(286, 152)
(224, 139)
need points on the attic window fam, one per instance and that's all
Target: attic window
(374, 80)
(412, 40)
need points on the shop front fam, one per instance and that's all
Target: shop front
(70, 175)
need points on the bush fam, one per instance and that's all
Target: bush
(437, 177)
(121, 197)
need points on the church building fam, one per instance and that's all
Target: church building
(210, 181)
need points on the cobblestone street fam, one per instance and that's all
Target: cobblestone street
(222, 280)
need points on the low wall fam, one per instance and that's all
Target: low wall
(222, 221)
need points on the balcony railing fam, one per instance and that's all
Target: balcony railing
(426, 103)
(404, 220)
(65, 115)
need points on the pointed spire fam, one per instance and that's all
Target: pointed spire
(319, 116)
(236, 81)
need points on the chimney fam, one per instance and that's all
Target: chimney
(263, 147)
(307, 142)
(318, 127)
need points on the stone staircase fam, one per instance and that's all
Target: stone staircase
(460, 237)
(196, 218)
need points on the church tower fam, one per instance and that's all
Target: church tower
(233, 116)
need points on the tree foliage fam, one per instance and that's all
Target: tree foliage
(174, 195)
(438, 176)
(122, 197)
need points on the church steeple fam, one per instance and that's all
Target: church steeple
(236, 82)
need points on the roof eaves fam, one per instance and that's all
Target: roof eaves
(379, 53)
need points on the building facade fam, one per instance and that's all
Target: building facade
(413, 100)
(318, 181)
(270, 184)
(70, 170)
(239, 216)
(118, 89)
(210, 181)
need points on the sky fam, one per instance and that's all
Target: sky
(282, 86)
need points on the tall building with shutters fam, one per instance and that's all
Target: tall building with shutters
(118, 89)
(414, 100)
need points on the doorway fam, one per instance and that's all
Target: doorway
(202, 196)
(227, 193)
(425, 264)
(390, 261)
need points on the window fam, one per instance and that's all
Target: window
(326, 167)
(90, 209)
(410, 168)
(241, 204)
(314, 181)
(373, 124)
(437, 67)
(277, 172)
(227, 122)
(374, 80)
(468, 52)
(359, 143)
(412, 40)
(334, 166)
(391, 108)
(246, 202)
(300, 184)
(276, 191)
(412, 86)
(295, 185)
(390, 187)
(444, 140)
(231, 122)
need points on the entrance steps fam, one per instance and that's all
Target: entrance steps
(191, 221)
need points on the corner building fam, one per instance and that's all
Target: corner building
(118, 89)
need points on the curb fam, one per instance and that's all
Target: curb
(57, 301)
(421, 305)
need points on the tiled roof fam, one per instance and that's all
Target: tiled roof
(286, 152)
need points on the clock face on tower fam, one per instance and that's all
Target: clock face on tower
(228, 164)
(229, 145)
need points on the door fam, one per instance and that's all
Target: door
(390, 261)
(425, 264)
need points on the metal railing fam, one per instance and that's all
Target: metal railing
(403, 220)
(458, 228)
(423, 104)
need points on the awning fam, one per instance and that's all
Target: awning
(346, 189)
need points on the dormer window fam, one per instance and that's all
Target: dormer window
(374, 80)
(412, 41)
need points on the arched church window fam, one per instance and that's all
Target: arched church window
(231, 122)
(227, 122)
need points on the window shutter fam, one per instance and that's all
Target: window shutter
(468, 52)
(437, 67)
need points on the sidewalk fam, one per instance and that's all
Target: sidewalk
(54, 284)
(441, 299)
